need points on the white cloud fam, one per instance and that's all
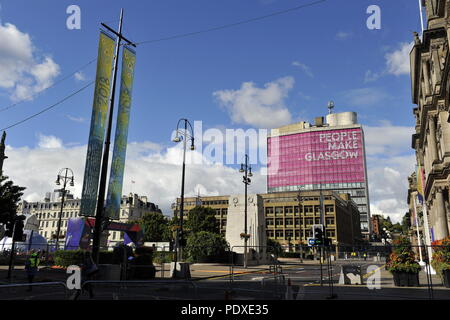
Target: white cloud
(155, 170)
(304, 67)
(76, 119)
(371, 76)
(80, 76)
(23, 72)
(388, 140)
(398, 61)
(341, 35)
(364, 97)
(49, 142)
(258, 107)
(390, 160)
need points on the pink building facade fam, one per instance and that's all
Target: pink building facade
(323, 157)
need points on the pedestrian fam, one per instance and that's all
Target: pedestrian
(32, 267)
(365, 256)
(88, 271)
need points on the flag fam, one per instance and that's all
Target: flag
(420, 183)
(114, 195)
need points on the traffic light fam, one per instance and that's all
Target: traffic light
(9, 229)
(318, 235)
(18, 232)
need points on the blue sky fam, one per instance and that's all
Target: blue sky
(304, 58)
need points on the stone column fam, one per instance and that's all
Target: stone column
(426, 78)
(440, 221)
(432, 139)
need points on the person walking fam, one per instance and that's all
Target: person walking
(88, 271)
(32, 268)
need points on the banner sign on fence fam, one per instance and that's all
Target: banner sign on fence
(98, 121)
(114, 196)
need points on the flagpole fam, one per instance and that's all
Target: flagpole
(421, 15)
(418, 234)
(421, 182)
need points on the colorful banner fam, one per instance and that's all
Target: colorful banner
(98, 121)
(114, 196)
(420, 183)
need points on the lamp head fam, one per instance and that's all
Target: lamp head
(57, 180)
(242, 168)
(71, 182)
(192, 144)
(250, 174)
(176, 139)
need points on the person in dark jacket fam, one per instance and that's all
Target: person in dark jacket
(88, 271)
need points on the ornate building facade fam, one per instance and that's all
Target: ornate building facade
(430, 66)
(132, 208)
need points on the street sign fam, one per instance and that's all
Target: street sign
(311, 242)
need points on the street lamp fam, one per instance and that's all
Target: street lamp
(182, 135)
(299, 199)
(247, 170)
(68, 176)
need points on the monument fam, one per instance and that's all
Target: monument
(256, 228)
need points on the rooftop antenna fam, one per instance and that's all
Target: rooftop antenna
(330, 107)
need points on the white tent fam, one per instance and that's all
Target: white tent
(34, 241)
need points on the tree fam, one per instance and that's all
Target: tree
(156, 227)
(205, 246)
(10, 196)
(202, 219)
(406, 223)
(274, 246)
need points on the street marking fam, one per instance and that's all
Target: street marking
(373, 271)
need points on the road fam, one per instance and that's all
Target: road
(213, 282)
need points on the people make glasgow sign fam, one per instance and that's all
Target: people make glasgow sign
(316, 157)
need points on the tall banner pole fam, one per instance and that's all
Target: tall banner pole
(98, 120)
(419, 242)
(99, 215)
(114, 196)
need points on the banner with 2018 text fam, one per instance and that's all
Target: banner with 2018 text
(98, 122)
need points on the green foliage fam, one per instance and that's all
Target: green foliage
(10, 195)
(274, 247)
(441, 255)
(156, 227)
(163, 257)
(406, 223)
(65, 258)
(206, 247)
(402, 259)
(202, 219)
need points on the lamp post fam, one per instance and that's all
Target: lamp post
(67, 176)
(182, 135)
(299, 199)
(247, 170)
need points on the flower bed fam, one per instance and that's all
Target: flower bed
(403, 265)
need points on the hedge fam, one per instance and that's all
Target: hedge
(65, 258)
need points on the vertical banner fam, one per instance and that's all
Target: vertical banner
(114, 196)
(98, 121)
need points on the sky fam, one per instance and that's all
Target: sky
(258, 75)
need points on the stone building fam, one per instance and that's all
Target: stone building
(132, 208)
(430, 66)
(284, 223)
